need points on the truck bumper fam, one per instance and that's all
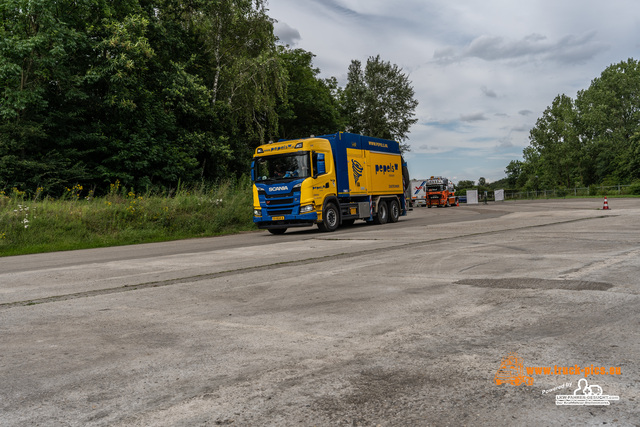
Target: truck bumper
(286, 221)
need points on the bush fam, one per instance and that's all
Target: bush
(635, 188)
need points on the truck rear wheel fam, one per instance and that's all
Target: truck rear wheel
(383, 213)
(394, 211)
(330, 218)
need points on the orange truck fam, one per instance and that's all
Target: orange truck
(440, 192)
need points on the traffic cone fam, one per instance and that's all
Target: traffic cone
(606, 205)
(457, 202)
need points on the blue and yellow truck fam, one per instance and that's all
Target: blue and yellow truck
(328, 180)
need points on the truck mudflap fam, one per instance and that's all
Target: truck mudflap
(286, 221)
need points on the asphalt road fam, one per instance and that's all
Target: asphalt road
(399, 324)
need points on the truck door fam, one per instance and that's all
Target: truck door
(324, 182)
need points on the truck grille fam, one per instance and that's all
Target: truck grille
(281, 204)
(275, 202)
(278, 212)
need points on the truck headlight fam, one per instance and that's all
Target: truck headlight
(257, 212)
(306, 208)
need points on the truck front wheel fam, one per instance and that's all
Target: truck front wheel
(383, 213)
(330, 218)
(277, 231)
(394, 211)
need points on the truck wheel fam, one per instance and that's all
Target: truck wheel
(394, 211)
(277, 231)
(330, 218)
(383, 213)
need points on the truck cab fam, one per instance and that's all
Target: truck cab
(440, 192)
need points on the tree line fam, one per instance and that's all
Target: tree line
(593, 139)
(156, 92)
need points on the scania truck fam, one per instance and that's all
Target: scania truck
(328, 180)
(440, 192)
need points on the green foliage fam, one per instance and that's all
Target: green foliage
(379, 101)
(591, 141)
(514, 171)
(635, 188)
(464, 184)
(156, 93)
(311, 107)
(148, 93)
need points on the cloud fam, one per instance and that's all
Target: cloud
(451, 126)
(475, 117)
(287, 35)
(488, 92)
(521, 128)
(505, 143)
(568, 50)
(525, 112)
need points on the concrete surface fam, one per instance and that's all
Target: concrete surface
(399, 324)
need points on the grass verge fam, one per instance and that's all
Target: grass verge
(122, 217)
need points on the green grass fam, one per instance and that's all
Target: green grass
(122, 217)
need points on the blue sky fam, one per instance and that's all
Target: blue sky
(483, 72)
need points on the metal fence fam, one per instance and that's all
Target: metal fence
(594, 190)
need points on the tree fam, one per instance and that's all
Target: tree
(482, 182)
(311, 106)
(380, 101)
(146, 92)
(464, 184)
(513, 171)
(592, 140)
(609, 113)
(555, 138)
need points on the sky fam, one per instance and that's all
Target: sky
(483, 72)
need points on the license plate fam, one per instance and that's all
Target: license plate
(278, 218)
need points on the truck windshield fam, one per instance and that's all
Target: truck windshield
(435, 188)
(282, 167)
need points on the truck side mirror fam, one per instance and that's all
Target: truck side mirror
(321, 165)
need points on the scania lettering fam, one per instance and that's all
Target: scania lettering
(329, 180)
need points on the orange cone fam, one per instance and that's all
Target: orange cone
(606, 205)
(457, 202)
